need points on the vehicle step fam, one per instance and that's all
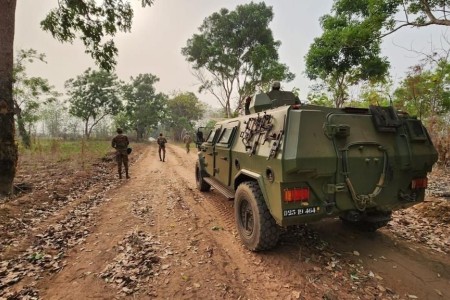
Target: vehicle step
(226, 191)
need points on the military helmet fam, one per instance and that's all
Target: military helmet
(276, 85)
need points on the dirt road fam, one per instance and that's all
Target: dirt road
(157, 236)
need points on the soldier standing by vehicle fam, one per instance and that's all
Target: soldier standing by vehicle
(162, 147)
(120, 143)
(187, 140)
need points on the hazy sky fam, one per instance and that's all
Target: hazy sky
(159, 32)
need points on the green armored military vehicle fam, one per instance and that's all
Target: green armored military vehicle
(295, 164)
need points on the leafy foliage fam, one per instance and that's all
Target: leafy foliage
(93, 21)
(348, 51)
(375, 94)
(388, 16)
(184, 110)
(237, 51)
(145, 108)
(319, 98)
(29, 93)
(425, 93)
(93, 96)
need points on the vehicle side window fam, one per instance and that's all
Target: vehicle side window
(210, 136)
(214, 135)
(225, 136)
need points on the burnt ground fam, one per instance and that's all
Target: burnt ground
(78, 232)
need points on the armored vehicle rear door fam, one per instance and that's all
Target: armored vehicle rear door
(222, 153)
(208, 148)
(363, 158)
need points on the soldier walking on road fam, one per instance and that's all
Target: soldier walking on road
(120, 143)
(162, 147)
(187, 140)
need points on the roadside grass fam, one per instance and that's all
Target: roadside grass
(76, 153)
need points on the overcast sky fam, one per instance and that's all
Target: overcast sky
(159, 32)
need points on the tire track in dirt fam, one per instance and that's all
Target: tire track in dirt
(256, 275)
(223, 207)
(202, 270)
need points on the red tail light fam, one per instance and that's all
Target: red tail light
(296, 194)
(419, 183)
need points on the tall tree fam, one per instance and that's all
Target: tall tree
(91, 20)
(93, 96)
(145, 108)
(184, 110)
(29, 93)
(346, 53)
(352, 37)
(425, 92)
(235, 53)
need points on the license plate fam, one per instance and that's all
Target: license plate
(301, 211)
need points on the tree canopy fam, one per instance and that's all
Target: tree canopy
(388, 16)
(235, 52)
(93, 96)
(29, 93)
(144, 107)
(92, 22)
(184, 109)
(346, 52)
(349, 49)
(424, 93)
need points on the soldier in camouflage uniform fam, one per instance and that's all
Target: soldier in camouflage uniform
(120, 143)
(162, 146)
(187, 140)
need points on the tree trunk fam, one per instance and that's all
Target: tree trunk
(140, 131)
(86, 129)
(8, 147)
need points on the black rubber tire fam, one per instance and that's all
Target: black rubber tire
(201, 184)
(256, 226)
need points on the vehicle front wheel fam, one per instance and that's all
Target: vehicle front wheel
(256, 226)
(201, 184)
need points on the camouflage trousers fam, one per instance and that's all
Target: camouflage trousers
(122, 158)
(162, 150)
(188, 147)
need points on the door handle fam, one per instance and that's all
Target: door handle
(224, 158)
(210, 154)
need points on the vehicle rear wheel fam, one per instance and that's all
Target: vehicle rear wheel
(256, 226)
(201, 184)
